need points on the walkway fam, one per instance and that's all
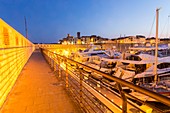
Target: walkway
(37, 90)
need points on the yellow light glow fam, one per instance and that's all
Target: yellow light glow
(66, 53)
(72, 42)
(83, 42)
(91, 40)
(12, 59)
(146, 109)
(78, 41)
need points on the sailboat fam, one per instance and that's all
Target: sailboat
(157, 85)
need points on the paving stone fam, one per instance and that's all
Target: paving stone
(37, 90)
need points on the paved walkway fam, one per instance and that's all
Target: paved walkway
(37, 90)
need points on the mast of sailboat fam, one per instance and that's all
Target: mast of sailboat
(26, 31)
(156, 47)
(168, 28)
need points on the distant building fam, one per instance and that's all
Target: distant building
(140, 39)
(93, 39)
(131, 39)
(85, 39)
(165, 40)
(152, 40)
(109, 41)
(78, 34)
(68, 40)
(114, 40)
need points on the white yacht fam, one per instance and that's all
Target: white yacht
(83, 56)
(142, 63)
(97, 58)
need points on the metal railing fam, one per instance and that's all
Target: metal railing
(95, 95)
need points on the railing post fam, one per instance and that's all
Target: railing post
(59, 70)
(66, 73)
(54, 63)
(81, 87)
(51, 60)
(124, 99)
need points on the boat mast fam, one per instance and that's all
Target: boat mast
(156, 47)
(26, 31)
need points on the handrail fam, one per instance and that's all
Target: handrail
(160, 98)
(157, 96)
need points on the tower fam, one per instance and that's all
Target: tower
(78, 34)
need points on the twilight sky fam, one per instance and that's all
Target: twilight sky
(51, 20)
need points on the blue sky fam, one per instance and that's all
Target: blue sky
(51, 20)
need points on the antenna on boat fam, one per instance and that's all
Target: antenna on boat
(156, 46)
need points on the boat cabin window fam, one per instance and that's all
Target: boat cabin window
(93, 54)
(98, 50)
(161, 53)
(163, 65)
(97, 54)
(138, 52)
(124, 63)
(165, 78)
(86, 50)
(133, 57)
(140, 68)
(100, 53)
(130, 69)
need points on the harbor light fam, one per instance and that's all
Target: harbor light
(66, 53)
